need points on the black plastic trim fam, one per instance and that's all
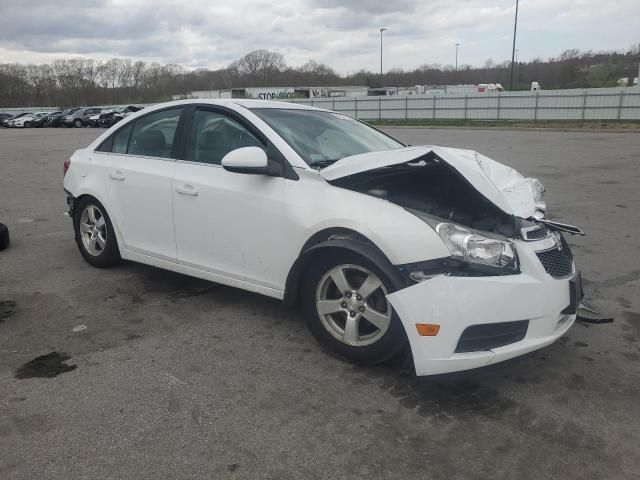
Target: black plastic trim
(487, 336)
(366, 250)
(454, 267)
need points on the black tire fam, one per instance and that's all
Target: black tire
(27, 124)
(4, 236)
(390, 344)
(110, 254)
(77, 123)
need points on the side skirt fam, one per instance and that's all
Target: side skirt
(194, 272)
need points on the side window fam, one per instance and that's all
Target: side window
(120, 140)
(213, 135)
(153, 134)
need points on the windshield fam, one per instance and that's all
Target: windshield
(322, 138)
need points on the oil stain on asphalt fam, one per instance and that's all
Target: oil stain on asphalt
(7, 309)
(45, 366)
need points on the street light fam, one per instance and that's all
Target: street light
(381, 30)
(457, 45)
(513, 51)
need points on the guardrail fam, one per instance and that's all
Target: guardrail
(533, 106)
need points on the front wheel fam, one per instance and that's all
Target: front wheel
(94, 234)
(77, 123)
(344, 301)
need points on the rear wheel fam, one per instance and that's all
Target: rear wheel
(344, 300)
(27, 124)
(94, 234)
(77, 123)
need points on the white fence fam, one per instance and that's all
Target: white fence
(590, 104)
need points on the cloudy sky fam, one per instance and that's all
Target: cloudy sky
(341, 33)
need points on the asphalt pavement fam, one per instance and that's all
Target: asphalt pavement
(171, 377)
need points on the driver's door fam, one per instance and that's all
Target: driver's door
(226, 223)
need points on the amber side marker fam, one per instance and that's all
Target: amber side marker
(427, 329)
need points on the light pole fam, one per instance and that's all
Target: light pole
(513, 51)
(457, 45)
(381, 30)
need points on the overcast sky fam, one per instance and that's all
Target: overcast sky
(342, 33)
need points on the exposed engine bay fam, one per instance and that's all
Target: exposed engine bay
(433, 187)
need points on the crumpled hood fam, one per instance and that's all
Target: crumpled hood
(502, 185)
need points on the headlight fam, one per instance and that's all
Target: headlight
(477, 249)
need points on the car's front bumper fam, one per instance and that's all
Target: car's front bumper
(455, 303)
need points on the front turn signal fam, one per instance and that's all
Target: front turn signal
(427, 329)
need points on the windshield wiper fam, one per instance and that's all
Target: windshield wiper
(322, 163)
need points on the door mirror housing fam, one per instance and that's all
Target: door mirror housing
(251, 160)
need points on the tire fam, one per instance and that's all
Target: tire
(4, 236)
(27, 124)
(77, 123)
(366, 344)
(94, 234)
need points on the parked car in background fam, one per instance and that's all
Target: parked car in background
(55, 120)
(5, 116)
(80, 117)
(385, 247)
(5, 122)
(26, 121)
(43, 120)
(110, 118)
(94, 120)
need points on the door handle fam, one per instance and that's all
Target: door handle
(187, 190)
(117, 175)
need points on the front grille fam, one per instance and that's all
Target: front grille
(479, 338)
(558, 262)
(535, 233)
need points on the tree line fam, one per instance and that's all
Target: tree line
(79, 81)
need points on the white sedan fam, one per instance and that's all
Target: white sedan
(25, 121)
(380, 244)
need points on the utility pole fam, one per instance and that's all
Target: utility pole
(513, 50)
(457, 45)
(638, 69)
(381, 30)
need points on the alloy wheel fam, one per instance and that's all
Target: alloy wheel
(352, 305)
(93, 230)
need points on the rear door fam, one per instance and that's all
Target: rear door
(139, 178)
(226, 223)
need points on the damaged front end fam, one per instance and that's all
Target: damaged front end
(477, 206)
(509, 285)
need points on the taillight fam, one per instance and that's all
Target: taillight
(65, 167)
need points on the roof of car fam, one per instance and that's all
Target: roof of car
(251, 103)
(244, 102)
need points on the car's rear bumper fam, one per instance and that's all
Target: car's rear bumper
(456, 303)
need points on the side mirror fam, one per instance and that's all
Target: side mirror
(251, 160)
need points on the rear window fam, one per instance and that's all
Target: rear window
(150, 136)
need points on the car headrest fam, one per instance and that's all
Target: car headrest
(150, 140)
(212, 139)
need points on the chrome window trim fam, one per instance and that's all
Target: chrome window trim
(136, 156)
